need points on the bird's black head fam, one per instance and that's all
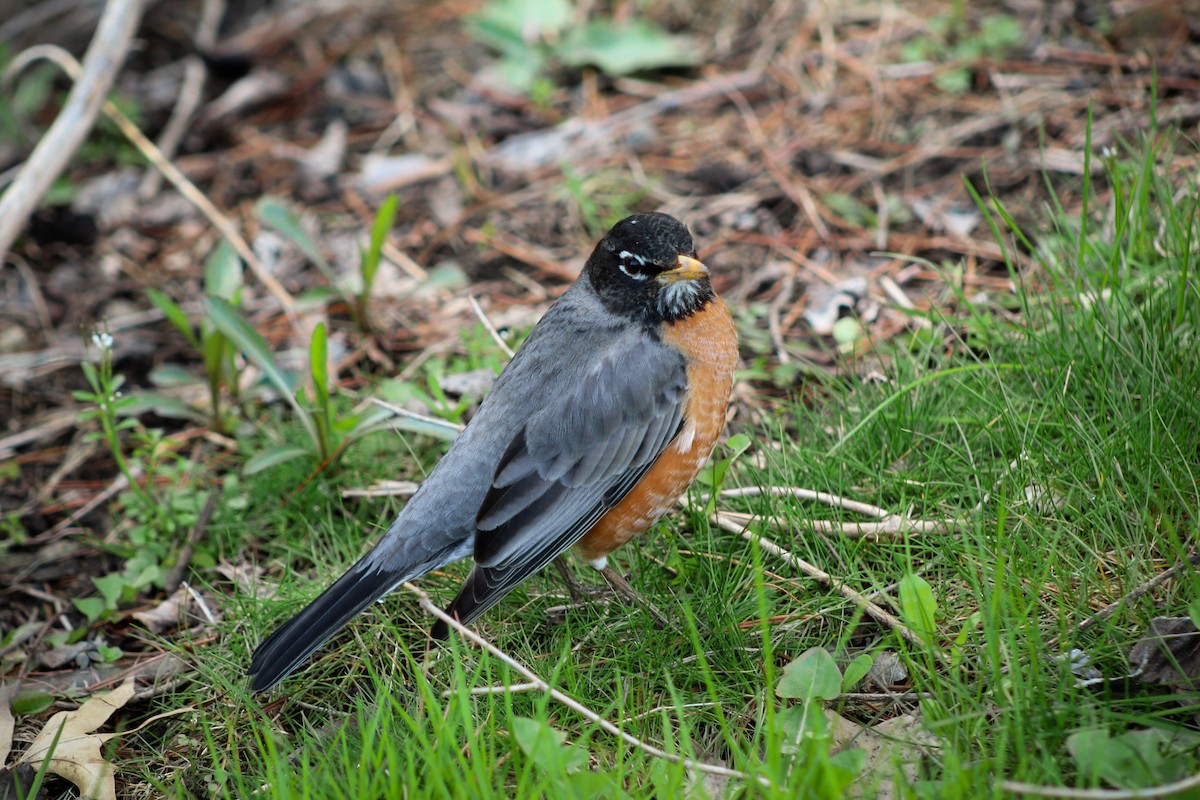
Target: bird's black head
(646, 268)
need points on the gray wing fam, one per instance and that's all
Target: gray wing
(571, 462)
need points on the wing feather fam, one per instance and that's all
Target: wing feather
(578, 457)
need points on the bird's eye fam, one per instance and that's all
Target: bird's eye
(631, 264)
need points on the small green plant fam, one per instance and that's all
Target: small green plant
(279, 216)
(157, 519)
(107, 401)
(806, 739)
(328, 434)
(601, 198)
(535, 36)
(222, 279)
(368, 262)
(948, 40)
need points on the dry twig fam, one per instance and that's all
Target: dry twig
(92, 82)
(570, 702)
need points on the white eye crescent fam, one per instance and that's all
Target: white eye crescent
(627, 257)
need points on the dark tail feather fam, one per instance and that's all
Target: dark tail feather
(296, 639)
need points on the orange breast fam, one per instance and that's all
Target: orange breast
(708, 341)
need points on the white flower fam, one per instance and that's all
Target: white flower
(102, 340)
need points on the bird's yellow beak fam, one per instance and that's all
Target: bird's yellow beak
(689, 269)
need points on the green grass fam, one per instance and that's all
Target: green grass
(1059, 427)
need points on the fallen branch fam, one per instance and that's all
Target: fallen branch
(570, 702)
(873, 610)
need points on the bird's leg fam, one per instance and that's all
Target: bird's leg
(621, 586)
(580, 594)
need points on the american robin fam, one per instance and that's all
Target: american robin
(591, 432)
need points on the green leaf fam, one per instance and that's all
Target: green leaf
(274, 456)
(513, 24)
(379, 231)
(918, 608)
(318, 356)
(953, 81)
(26, 703)
(318, 365)
(170, 407)
(546, 746)
(249, 341)
(223, 273)
(108, 653)
(803, 726)
(271, 211)
(856, 670)
(844, 769)
(623, 48)
(90, 607)
(521, 71)
(167, 376)
(738, 444)
(111, 587)
(174, 315)
(1136, 759)
(814, 674)
(93, 379)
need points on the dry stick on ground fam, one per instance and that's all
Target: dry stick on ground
(1165, 790)
(92, 82)
(889, 524)
(194, 74)
(873, 610)
(226, 228)
(1192, 560)
(570, 702)
(490, 328)
(837, 501)
(175, 576)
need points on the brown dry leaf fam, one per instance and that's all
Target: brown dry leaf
(166, 615)
(898, 741)
(248, 579)
(8, 725)
(76, 756)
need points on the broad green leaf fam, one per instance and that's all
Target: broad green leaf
(802, 725)
(174, 315)
(546, 746)
(111, 588)
(170, 407)
(738, 443)
(1136, 759)
(856, 670)
(90, 607)
(35, 702)
(814, 674)
(272, 457)
(249, 341)
(918, 608)
(522, 70)
(624, 48)
(514, 24)
(223, 273)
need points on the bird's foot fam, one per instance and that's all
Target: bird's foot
(621, 586)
